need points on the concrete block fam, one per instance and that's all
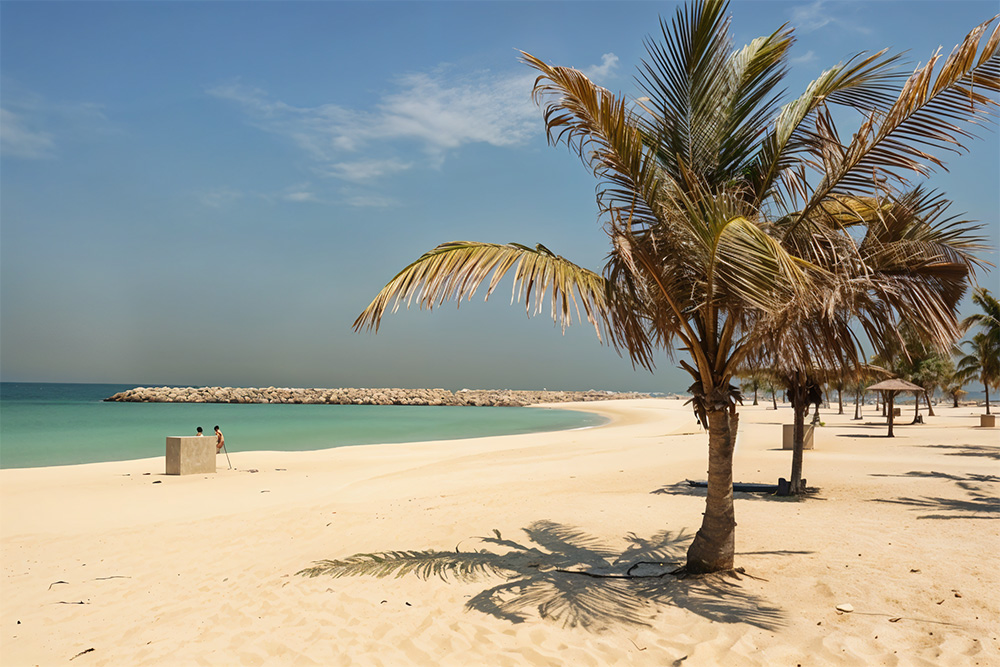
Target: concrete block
(988, 421)
(190, 455)
(788, 436)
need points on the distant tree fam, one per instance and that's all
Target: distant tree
(750, 382)
(980, 364)
(923, 365)
(952, 388)
(989, 319)
(858, 380)
(771, 385)
(983, 360)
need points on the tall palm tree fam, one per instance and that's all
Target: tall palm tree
(729, 213)
(915, 360)
(981, 363)
(989, 319)
(984, 357)
(983, 360)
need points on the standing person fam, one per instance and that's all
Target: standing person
(199, 431)
(220, 440)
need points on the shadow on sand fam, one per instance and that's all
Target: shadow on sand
(978, 505)
(565, 575)
(984, 451)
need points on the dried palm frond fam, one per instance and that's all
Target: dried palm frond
(456, 270)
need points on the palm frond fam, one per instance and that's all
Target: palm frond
(685, 77)
(456, 270)
(605, 133)
(989, 318)
(862, 82)
(756, 71)
(753, 268)
(930, 114)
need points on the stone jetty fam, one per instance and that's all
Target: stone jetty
(467, 397)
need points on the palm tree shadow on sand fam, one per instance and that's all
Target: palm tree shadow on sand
(979, 503)
(565, 575)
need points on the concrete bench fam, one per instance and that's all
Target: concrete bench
(788, 436)
(190, 455)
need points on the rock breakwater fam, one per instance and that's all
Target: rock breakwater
(466, 397)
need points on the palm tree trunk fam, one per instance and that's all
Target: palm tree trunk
(714, 545)
(888, 403)
(916, 404)
(798, 445)
(840, 401)
(799, 409)
(987, 387)
(930, 408)
(857, 404)
(774, 399)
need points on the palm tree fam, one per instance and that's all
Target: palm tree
(983, 361)
(728, 213)
(952, 386)
(751, 379)
(921, 363)
(859, 379)
(989, 319)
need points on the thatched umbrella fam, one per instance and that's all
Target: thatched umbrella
(893, 387)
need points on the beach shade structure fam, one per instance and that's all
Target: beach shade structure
(891, 388)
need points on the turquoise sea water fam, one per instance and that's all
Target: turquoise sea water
(44, 424)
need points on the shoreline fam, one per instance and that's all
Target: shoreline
(201, 569)
(408, 425)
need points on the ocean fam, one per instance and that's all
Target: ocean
(51, 424)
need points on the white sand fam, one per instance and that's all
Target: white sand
(200, 570)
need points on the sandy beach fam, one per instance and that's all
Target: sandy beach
(119, 564)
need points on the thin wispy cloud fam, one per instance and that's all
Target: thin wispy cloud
(34, 128)
(301, 193)
(419, 121)
(435, 112)
(604, 71)
(19, 139)
(365, 170)
(219, 197)
(299, 197)
(226, 197)
(820, 14)
(805, 59)
(424, 117)
(368, 200)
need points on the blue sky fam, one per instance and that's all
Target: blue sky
(209, 193)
